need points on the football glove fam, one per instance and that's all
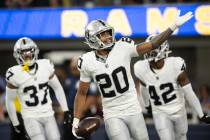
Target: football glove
(205, 119)
(149, 109)
(20, 129)
(75, 127)
(180, 20)
(67, 117)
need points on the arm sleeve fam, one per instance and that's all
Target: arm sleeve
(145, 95)
(179, 65)
(10, 97)
(11, 77)
(51, 67)
(130, 46)
(138, 71)
(84, 74)
(143, 89)
(192, 99)
(59, 92)
(133, 49)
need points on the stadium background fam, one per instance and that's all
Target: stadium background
(57, 26)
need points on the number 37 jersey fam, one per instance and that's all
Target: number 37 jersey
(33, 89)
(113, 78)
(162, 87)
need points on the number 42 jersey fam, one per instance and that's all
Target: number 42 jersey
(33, 90)
(162, 87)
(113, 78)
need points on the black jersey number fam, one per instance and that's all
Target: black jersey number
(34, 98)
(168, 89)
(79, 63)
(105, 82)
(10, 74)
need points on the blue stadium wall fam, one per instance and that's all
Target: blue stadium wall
(134, 21)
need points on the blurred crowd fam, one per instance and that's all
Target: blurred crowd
(84, 3)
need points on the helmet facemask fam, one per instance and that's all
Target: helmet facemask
(26, 52)
(157, 54)
(94, 32)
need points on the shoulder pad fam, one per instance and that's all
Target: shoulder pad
(48, 64)
(10, 75)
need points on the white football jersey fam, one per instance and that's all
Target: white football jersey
(165, 93)
(113, 78)
(33, 89)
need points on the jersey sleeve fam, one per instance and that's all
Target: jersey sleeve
(138, 71)
(51, 67)
(180, 65)
(130, 46)
(83, 68)
(10, 77)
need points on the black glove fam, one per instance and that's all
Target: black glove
(149, 109)
(20, 129)
(205, 119)
(67, 117)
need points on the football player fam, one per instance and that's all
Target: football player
(164, 81)
(109, 66)
(30, 81)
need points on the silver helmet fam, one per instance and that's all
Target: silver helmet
(161, 52)
(25, 51)
(92, 33)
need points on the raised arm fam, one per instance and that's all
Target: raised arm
(191, 97)
(159, 39)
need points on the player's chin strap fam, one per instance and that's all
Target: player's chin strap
(25, 67)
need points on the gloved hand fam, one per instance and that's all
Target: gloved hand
(205, 119)
(20, 129)
(74, 127)
(67, 117)
(180, 20)
(149, 110)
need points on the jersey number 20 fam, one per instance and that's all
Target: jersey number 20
(105, 82)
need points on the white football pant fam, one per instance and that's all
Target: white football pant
(126, 128)
(43, 128)
(171, 127)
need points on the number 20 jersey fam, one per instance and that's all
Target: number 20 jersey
(165, 92)
(33, 90)
(113, 78)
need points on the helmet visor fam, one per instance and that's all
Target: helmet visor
(27, 55)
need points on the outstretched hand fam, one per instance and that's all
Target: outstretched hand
(180, 20)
